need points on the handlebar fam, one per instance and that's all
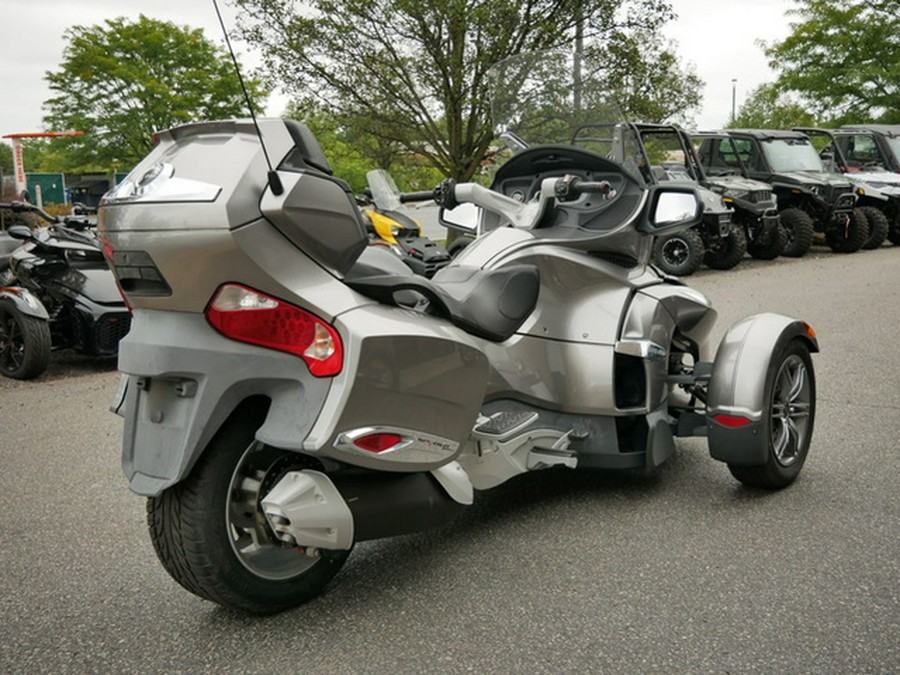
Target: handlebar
(571, 187)
(25, 207)
(426, 195)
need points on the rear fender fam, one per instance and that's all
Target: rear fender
(737, 384)
(25, 302)
(182, 382)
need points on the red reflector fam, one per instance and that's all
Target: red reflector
(731, 420)
(377, 442)
(245, 315)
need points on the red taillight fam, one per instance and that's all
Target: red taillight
(242, 314)
(731, 421)
(378, 442)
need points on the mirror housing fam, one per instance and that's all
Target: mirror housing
(463, 218)
(21, 232)
(672, 208)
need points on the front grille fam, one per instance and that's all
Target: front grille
(759, 196)
(109, 330)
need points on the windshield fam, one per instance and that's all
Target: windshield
(894, 144)
(792, 154)
(385, 193)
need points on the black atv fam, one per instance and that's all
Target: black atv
(664, 153)
(755, 204)
(877, 189)
(810, 198)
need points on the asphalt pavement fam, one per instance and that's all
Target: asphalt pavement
(682, 570)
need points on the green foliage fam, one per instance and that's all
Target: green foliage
(843, 56)
(6, 159)
(122, 81)
(768, 107)
(412, 75)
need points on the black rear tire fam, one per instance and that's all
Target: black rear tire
(680, 254)
(849, 238)
(24, 343)
(878, 227)
(798, 229)
(789, 413)
(210, 535)
(728, 251)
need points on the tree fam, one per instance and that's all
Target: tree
(844, 55)
(122, 81)
(6, 159)
(413, 73)
(768, 107)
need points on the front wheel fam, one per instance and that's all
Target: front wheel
(850, 237)
(878, 227)
(679, 254)
(788, 418)
(726, 252)
(797, 231)
(24, 343)
(212, 537)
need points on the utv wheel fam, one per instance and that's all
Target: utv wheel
(728, 251)
(878, 227)
(768, 247)
(788, 418)
(212, 537)
(24, 343)
(797, 228)
(679, 254)
(849, 238)
(894, 232)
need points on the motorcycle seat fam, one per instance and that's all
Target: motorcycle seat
(492, 304)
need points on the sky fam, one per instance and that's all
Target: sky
(718, 37)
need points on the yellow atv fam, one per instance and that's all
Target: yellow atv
(388, 226)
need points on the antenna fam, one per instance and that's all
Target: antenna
(274, 179)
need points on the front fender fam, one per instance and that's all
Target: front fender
(25, 302)
(738, 381)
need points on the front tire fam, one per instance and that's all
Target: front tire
(798, 230)
(211, 536)
(24, 343)
(768, 247)
(878, 227)
(728, 251)
(849, 238)
(680, 254)
(788, 418)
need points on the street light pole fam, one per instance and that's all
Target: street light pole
(733, 98)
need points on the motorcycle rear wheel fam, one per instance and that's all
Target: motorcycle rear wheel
(24, 343)
(211, 536)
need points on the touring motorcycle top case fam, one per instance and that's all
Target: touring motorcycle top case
(288, 391)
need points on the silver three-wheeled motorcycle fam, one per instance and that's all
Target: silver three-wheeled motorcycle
(288, 391)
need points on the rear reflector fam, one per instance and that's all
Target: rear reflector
(731, 420)
(378, 442)
(246, 315)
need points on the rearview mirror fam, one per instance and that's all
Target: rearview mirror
(464, 217)
(20, 232)
(673, 209)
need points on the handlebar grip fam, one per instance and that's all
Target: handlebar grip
(424, 196)
(600, 187)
